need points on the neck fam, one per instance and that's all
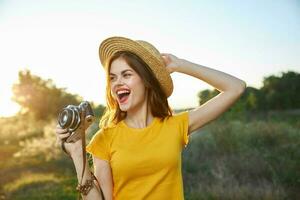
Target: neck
(140, 117)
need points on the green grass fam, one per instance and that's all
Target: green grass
(226, 159)
(41, 186)
(234, 160)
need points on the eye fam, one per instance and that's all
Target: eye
(112, 78)
(127, 75)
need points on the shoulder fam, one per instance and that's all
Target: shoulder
(104, 132)
(108, 131)
(108, 128)
(181, 115)
(178, 117)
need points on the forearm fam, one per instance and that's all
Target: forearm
(220, 80)
(94, 193)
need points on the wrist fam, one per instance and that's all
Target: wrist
(76, 154)
(76, 149)
(182, 63)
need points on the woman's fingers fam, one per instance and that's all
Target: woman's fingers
(63, 135)
(166, 58)
(59, 130)
(164, 54)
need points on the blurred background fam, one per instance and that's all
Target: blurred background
(49, 59)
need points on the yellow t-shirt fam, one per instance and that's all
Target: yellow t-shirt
(145, 162)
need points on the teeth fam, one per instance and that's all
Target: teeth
(122, 91)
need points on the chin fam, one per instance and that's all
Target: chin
(124, 108)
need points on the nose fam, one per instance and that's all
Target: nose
(118, 82)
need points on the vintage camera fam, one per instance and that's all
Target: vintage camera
(72, 116)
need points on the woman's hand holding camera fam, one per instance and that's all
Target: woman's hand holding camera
(74, 148)
(72, 123)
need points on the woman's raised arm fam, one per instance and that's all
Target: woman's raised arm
(230, 87)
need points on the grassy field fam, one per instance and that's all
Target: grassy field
(245, 158)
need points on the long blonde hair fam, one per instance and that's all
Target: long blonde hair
(157, 99)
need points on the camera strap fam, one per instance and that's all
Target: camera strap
(82, 128)
(80, 134)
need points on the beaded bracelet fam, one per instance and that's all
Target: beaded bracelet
(84, 189)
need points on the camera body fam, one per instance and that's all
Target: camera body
(71, 117)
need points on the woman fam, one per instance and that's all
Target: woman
(137, 151)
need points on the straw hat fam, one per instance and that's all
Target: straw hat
(147, 52)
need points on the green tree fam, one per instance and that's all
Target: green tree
(277, 93)
(206, 95)
(282, 92)
(41, 97)
(98, 110)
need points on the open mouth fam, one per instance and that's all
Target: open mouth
(123, 95)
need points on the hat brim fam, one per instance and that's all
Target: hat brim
(151, 56)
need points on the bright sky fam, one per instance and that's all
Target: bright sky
(59, 40)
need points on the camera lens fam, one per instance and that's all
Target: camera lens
(65, 118)
(70, 117)
(75, 119)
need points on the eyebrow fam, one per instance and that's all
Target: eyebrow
(124, 71)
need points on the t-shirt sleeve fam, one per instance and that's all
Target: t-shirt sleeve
(182, 120)
(99, 146)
